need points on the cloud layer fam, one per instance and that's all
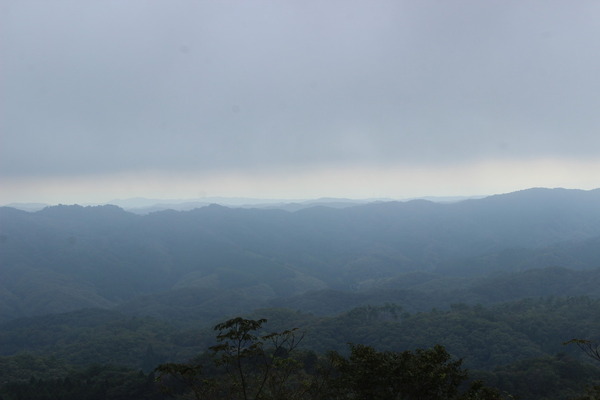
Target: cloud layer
(185, 87)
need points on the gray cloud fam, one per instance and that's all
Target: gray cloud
(102, 87)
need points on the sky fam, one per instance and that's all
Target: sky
(296, 99)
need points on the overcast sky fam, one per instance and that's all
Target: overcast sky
(296, 99)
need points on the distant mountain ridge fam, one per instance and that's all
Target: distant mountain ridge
(140, 205)
(66, 258)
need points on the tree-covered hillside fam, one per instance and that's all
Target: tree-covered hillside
(101, 295)
(484, 336)
(517, 347)
(69, 257)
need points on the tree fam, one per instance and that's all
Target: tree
(430, 374)
(590, 348)
(181, 377)
(592, 393)
(250, 366)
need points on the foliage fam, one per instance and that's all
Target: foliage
(93, 383)
(592, 393)
(560, 377)
(268, 367)
(484, 337)
(181, 377)
(432, 374)
(247, 362)
(249, 365)
(25, 366)
(91, 336)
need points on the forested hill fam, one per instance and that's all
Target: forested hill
(69, 257)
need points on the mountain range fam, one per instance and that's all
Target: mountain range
(225, 260)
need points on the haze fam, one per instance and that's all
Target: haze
(296, 99)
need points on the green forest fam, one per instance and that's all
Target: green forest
(516, 348)
(495, 298)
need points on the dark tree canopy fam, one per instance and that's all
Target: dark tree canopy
(250, 365)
